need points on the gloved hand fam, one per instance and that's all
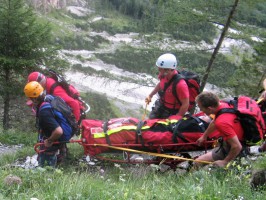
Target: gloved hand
(175, 117)
(147, 99)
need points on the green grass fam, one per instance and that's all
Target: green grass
(106, 180)
(123, 182)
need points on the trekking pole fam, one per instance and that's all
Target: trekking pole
(145, 111)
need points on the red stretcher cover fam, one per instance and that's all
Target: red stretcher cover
(147, 134)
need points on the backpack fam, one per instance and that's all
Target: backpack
(249, 114)
(190, 124)
(61, 81)
(193, 83)
(63, 114)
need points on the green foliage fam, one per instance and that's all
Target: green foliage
(24, 43)
(250, 74)
(125, 58)
(252, 12)
(100, 106)
(114, 25)
(195, 61)
(176, 18)
(77, 42)
(13, 137)
(260, 163)
(122, 182)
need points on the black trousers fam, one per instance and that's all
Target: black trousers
(159, 111)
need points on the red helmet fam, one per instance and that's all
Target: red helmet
(36, 76)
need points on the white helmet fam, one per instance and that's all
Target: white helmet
(167, 61)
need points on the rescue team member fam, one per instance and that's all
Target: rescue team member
(49, 128)
(230, 130)
(47, 83)
(167, 105)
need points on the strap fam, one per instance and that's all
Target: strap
(225, 110)
(65, 88)
(171, 80)
(53, 87)
(177, 133)
(138, 132)
(178, 78)
(166, 85)
(200, 123)
(105, 130)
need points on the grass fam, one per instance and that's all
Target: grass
(77, 180)
(123, 182)
(106, 180)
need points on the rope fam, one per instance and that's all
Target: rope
(153, 154)
(145, 112)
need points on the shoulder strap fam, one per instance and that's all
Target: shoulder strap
(65, 88)
(225, 110)
(177, 79)
(53, 87)
(45, 105)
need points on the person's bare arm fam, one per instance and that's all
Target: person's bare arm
(153, 92)
(184, 107)
(211, 128)
(56, 134)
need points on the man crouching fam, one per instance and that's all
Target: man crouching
(51, 127)
(229, 128)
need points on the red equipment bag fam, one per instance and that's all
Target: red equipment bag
(250, 116)
(148, 134)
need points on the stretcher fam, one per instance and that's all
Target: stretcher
(161, 140)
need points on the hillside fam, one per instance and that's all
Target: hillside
(102, 49)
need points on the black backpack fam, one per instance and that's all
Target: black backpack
(193, 82)
(61, 106)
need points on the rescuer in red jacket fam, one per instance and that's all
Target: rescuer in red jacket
(47, 83)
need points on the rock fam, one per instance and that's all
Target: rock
(11, 180)
(258, 178)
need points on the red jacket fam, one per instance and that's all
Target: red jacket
(59, 91)
(181, 90)
(227, 124)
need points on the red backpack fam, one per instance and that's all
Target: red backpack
(249, 114)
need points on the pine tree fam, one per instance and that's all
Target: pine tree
(24, 44)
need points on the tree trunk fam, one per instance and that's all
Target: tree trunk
(6, 119)
(6, 98)
(215, 52)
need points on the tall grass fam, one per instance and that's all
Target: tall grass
(124, 182)
(76, 179)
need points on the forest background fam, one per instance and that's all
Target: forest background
(46, 33)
